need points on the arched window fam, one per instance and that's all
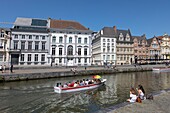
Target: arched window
(70, 39)
(54, 39)
(70, 50)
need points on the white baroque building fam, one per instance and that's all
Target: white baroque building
(30, 42)
(70, 43)
(5, 37)
(104, 47)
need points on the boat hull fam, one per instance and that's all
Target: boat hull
(78, 88)
(161, 69)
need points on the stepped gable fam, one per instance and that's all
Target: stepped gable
(63, 24)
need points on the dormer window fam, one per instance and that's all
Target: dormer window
(127, 37)
(121, 37)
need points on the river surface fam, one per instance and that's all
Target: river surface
(37, 96)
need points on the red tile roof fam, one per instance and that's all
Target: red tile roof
(63, 24)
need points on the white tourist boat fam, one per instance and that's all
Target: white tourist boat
(161, 69)
(78, 88)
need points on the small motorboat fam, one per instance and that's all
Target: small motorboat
(161, 69)
(78, 88)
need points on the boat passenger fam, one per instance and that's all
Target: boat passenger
(65, 85)
(75, 84)
(98, 81)
(90, 82)
(81, 83)
(71, 84)
(87, 81)
(84, 81)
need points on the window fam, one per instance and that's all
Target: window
(70, 39)
(36, 45)
(43, 45)
(23, 36)
(108, 40)
(15, 45)
(36, 57)
(79, 40)
(85, 40)
(104, 40)
(70, 50)
(29, 57)
(112, 40)
(85, 51)
(43, 57)
(54, 40)
(16, 36)
(30, 36)
(79, 51)
(60, 51)
(60, 60)
(53, 51)
(1, 57)
(2, 34)
(60, 39)
(113, 57)
(104, 50)
(79, 60)
(22, 45)
(29, 45)
(43, 37)
(22, 57)
(37, 37)
(85, 60)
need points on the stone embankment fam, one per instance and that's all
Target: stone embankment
(25, 73)
(160, 104)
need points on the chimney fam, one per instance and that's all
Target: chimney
(115, 29)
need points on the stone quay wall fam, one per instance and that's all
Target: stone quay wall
(68, 73)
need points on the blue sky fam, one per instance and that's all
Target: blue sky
(150, 17)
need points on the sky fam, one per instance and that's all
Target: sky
(150, 17)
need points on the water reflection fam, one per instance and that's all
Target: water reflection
(38, 96)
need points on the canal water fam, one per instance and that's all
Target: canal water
(37, 96)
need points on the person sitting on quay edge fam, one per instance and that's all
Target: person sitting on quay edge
(141, 92)
(133, 96)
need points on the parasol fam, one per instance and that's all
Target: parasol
(97, 77)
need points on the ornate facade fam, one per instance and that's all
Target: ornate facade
(5, 37)
(70, 43)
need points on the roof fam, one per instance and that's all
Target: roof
(64, 24)
(113, 32)
(30, 22)
(140, 38)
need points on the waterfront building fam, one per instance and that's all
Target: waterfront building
(70, 43)
(5, 36)
(141, 48)
(30, 42)
(154, 48)
(165, 46)
(104, 47)
(124, 46)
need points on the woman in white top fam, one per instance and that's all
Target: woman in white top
(133, 96)
(141, 92)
